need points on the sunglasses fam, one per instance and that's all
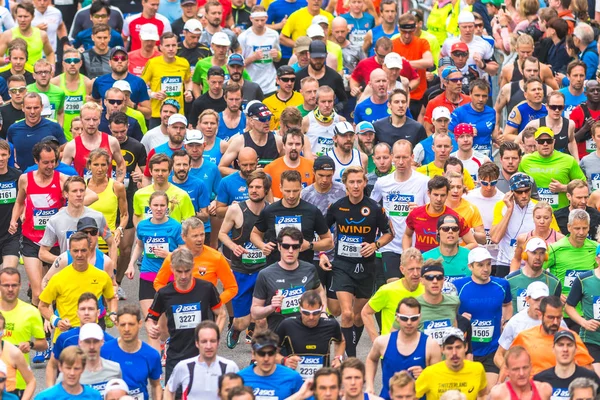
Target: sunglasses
(478, 25)
(100, 16)
(460, 54)
(262, 119)
(310, 312)
(455, 80)
(119, 58)
(91, 232)
(431, 278)
(262, 353)
(545, 141)
(412, 318)
(490, 183)
(286, 246)
(20, 89)
(449, 228)
(521, 191)
(72, 60)
(115, 102)
(556, 107)
(287, 80)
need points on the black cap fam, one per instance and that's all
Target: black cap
(317, 49)
(215, 71)
(262, 343)
(324, 163)
(285, 70)
(50, 139)
(258, 109)
(432, 268)
(564, 334)
(117, 49)
(447, 218)
(86, 222)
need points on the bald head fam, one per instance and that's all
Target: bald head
(378, 73)
(339, 30)
(339, 22)
(379, 84)
(247, 154)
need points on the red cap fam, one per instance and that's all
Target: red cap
(459, 46)
(463, 129)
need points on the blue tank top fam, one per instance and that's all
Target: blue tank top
(100, 265)
(214, 155)
(225, 133)
(393, 361)
(378, 32)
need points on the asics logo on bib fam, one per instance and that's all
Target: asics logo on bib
(44, 213)
(7, 185)
(438, 324)
(156, 240)
(310, 360)
(292, 292)
(264, 392)
(477, 323)
(170, 79)
(400, 198)
(325, 141)
(186, 307)
(560, 393)
(288, 220)
(350, 239)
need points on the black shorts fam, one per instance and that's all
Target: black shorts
(129, 209)
(10, 245)
(31, 249)
(325, 278)
(488, 363)
(358, 279)
(391, 265)
(147, 291)
(594, 351)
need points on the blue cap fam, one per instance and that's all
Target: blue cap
(520, 181)
(364, 127)
(235, 59)
(449, 70)
(172, 102)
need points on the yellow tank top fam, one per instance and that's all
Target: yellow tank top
(11, 372)
(107, 204)
(35, 46)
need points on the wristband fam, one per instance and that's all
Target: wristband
(322, 253)
(283, 360)
(54, 320)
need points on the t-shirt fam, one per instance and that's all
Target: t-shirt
(368, 111)
(154, 138)
(590, 165)
(486, 203)
(424, 226)
(441, 100)
(71, 338)
(571, 101)
(205, 384)
(455, 267)
(278, 166)
(261, 71)
(201, 71)
(560, 386)
(133, 24)
(469, 212)
(412, 52)
(411, 130)
(137, 61)
(299, 21)
(523, 113)
(180, 207)
(282, 9)
(10, 115)
(205, 102)
(359, 27)
(484, 123)
(167, 77)
(232, 188)
(57, 392)
(331, 78)
(437, 379)
(139, 90)
(578, 116)
(432, 170)
(586, 292)
(362, 72)
(97, 380)
(55, 94)
(386, 300)
(209, 174)
(276, 105)
(165, 236)
(519, 282)
(95, 65)
(437, 318)
(24, 137)
(197, 191)
(281, 384)
(134, 155)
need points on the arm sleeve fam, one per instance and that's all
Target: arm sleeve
(379, 300)
(215, 300)
(498, 212)
(157, 308)
(49, 237)
(576, 293)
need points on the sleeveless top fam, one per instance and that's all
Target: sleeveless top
(266, 153)
(561, 139)
(393, 361)
(11, 372)
(321, 137)
(214, 154)
(516, 75)
(377, 32)
(254, 260)
(35, 45)
(517, 95)
(339, 167)
(41, 204)
(549, 240)
(73, 102)
(82, 154)
(226, 133)
(535, 395)
(108, 204)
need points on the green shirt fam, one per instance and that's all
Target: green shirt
(386, 300)
(56, 96)
(303, 112)
(586, 292)
(202, 68)
(139, 117)
(456, 266)
(519, 282)
(437, 318)
(559, 166)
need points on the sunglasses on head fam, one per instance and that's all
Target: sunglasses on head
(91, 232)
(431, 278)
(71, 60)
(286, 246)
(405, 318)
(287, 80)
(20, 89)
(545, 141)
(449, 228)
(119, 58)
(262, 353)
(460, 54)
(556, 107)
(262, 119)
(115, 102)
(310, 312)
(490, 183)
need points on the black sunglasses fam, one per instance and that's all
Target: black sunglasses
(545, 141)
(287, 79)
(521, 191)
(431, 278)
(115, 102)
(556, 107)
(92, 232)
(286, 246)
(449, 228)
(455, 80)
(460, 54)
(262, 353)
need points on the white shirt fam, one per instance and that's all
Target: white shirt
(153, 138)
(518, 323)
(472, 164)
(6, 20)
(206, 377)
(484, 205)
(52, 17)
(261, 71)
(477, 45)
(521, 221)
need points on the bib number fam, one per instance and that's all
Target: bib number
(41, 217)
(294, 221)
(595, 178)
(73, 104)
(291, 299)
(521, 303)
(8, 192)
(349, 246)
(590, 146)
(187, 316)
(570, 277)
(397, 204)
(254, 255)
(548, 196)
(436, 329)
(488, 241)
(324, 145)
(171, 85)
(483, 331)
(153, 243)
(309, 365)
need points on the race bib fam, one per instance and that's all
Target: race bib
(436, 329)
(324, 145)
(125, 181)
(8, 192)
(309, 365)
(521, 296)
(596, 307)
(171, 85)
(560, 394)
(397, 204)
(73, 104)
(570, 276)
(41, 217)
(68, 235)
(548, 196)
(187, 316)
(152, 243)
(136, 394)
(266, 56)
(595, 180)
(291, 299)
(349, 246)
(265, 394)
(357, 37)
(483, 331)
(590, 146)
(484, 149)
(254, 255)
(488, 241)
(294, 221)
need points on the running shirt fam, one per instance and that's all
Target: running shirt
(225, 133)
(97, 380)
(376, 33)
(167, 77)
(165, 236)
(455, 267)
(58, 392)
(281, 384)
(432, 170)
(585, 291)
(368, 111)
(486, 203)
(261, 71)
(266, 153)
(254, 259)
(359, 27)
(82, 154)
(386, 300)
(523, 114)
(180, 204)
(214, 153)
(519, 282)
(133, 24)
(196, 189)
(571, 101)
(198, 380)
(437, 318)
(24, 137)
(412, 131)
(560, 386)
(71, 338)
(484, 302)
(9, 187)
(41, 203)
(278, 166)
(73, 102)
(484, 123)
(424, 226)
(320, 136)
(56, 96)
(340, 167)
(469, 212)
(472, 164)
(394, 361)
(35, 43)
(232, 188)
(590, 166)
(438, 379)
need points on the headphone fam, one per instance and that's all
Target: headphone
(524, 255)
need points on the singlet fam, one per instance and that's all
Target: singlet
(517, 95)
(11, 372)
(214, 154)
(516, 75)
(393, 361)
(561, 139)
(339, 167)
(73, 102)
(41, 204)
(254, 259)
(321, 137)
(82, 154)
(377, 33)
(108, 205)
(35, 45)
(549, 240)
(226, 133)
(266, 153)
(535, 395)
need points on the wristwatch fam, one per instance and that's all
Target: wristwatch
(31, 344)
(311, 246)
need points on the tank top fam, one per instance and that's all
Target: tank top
(11, 372)
(73, 102)
(321, 137)
(266, 153)
(226, 133)
(41, 204)
(516, 75)
(254, 260)
(393, 361)
(549, 240)
(561, 139)
(535, 395)
(214, 154)
(82, 154)
(340, 167)
(377, 33)
(108, 204)
(517, 95)
(35, 45)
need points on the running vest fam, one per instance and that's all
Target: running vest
(516, 75)
(561, 139)
(321, 137)
(82, 154)
(226, 133)
(393, 361)
(377, 33)
(11, 372)
(41, 203)
(339, 167)
(266, 153)
(214, 154)
(517, 95)
(254, 260)
(535, 395)
(73, 102)
(108, 205)
(35, 45)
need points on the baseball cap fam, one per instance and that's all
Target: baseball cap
(91, 331)
(364, 127)
(50, 138)
(86, 222)
(543, 130)
(324, 163)
(453, 333)
(116, 49)
(116, 384)
(46, 107)
(175, 118)
(149, 32)
(215, 71)
(314, 31)
(258, 109)
(449, 70)
(445, 61)
(537, 290)
(459, 46)
(463, 129)
(535, 243)
(564, 334)
(520, 181)
(172, 102)
(479, 254)
(302, 44)
(342, 128)
(447, 219)
(285, 70)
(262, 343)
(320, 19)
(188, 2)
(193, 25)
(220, 39)
(440, 112)
(393, 60)
(495, 3)
(317, 49)
(193, 136)
(122, 85)
(235, 59)
(466, 17)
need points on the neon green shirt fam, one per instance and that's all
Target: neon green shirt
(55, 94)
(202, 68)
(386, 300)
(180, 204)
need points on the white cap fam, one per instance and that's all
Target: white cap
(479, 254)
(315, 30)
(91, 331)
(466, 17)
(440, 112)
(393, 60)
(175, 118)
(193, 26)
(535, 243)
(220, 39)
(123, 85)
(538, 289)
(149, 32)
(115, 384)
(46, 107)
(320, 19)
(193, 136)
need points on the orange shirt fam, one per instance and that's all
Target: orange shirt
(210, 266)
(442, 100)
(539, 346)
(275, 169)
(414, 51)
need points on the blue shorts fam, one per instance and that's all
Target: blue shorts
(242, 302)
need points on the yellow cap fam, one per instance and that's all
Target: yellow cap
(543, 130)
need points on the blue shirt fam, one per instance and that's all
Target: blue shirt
(368, 111)
(210, 175)
(170, 9)
(590, 57)
(525, 114)
(360, 26)
(232, 188)
(85, 38)
(136, 367)
(166, 235)
(139, 90)
(214, 155)
(57, 392)
(484, 122)
(281, 384)
(571, 101)
(484, 303)
(24, 137)
(133, 130)
(280, 9)
(196, 189)
(226, 133)
(62, 168)
(428, 155)
(166, 149)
